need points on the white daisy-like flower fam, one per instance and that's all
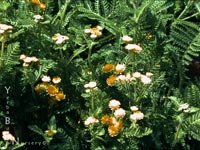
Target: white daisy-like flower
(91, 85)
(114, 104)
(137, 115)
(90, 120)
(27, 59)
(134, 108)
(56, 80)
(133, 47)
(145, 79)
(22, 57)
(46, 79)
(149, 74)
(5, 28)
(119, 113)
(7, 136)
(120, 68)
(127, 38)
(136, 74)
(59, 39)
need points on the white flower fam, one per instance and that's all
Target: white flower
(34, 59)
(133, 47)
(4, 27)
(46, 79)
(99, 27)
(93, 36)
(134, 108)
(87, 31)
(114, 104)
(119, 113)
(120, 68)
(90, 85)
(127, 38)
(121, 77)
(7, 136)
(138, 115)
(87, 90)
(136, 74)
(90, 120)
(56, 80)
(94, 32)
(37, 18)
(27, 59)
(145, 79)
(59, 38)
(149, 74)
(22, 57)
(184, 107)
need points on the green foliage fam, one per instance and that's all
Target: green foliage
(65, 60)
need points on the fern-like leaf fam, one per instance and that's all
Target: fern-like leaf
(13, 52)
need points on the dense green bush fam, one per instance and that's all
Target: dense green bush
(100, 74)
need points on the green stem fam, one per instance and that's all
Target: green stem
(185, 9)
(191, 16)
(92, 102)
(176, 135)
(2, 54)
(89, 56)
(61, 53)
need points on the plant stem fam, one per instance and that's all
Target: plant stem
(89, 56)
(176, 135)
(61, 54)
(185, 9)
(92, 102)
(2, 54)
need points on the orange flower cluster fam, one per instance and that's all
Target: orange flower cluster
(118, 69)
(114, 125)
(50, 88)
(40, 4)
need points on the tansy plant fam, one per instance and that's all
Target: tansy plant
(99, 74)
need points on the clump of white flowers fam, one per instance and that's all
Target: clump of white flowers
(94, 32)
(114, 104)
(27, 60)
(91, 120)
(59, 39)
(90, 86)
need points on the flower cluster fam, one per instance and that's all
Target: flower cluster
(50, 87)
(119, 68)
(40, 4)
(91, 120)
(5, 28)
(59, 39)
(94, 32)
(131, 47)
(114, 123)
(7, 136)
(137, 115)
(90, 86)
(28, 60)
